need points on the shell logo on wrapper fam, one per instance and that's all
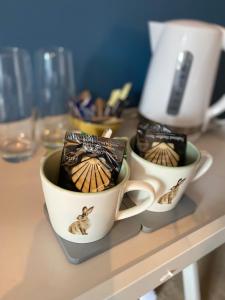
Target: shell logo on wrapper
(82, 224)
(91, 175)
(163, 154)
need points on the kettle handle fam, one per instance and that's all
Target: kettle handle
(219, 107)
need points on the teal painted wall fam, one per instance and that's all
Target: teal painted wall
(108, 38)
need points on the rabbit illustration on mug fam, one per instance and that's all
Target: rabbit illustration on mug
(82, 224)
(168, 197)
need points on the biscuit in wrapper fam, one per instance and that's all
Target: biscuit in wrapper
(90, 164)
(158, 144)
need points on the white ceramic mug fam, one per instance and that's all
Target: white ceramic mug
(169, 183)
(87, 217)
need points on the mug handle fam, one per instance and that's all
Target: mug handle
(204, 166)
(133, 185)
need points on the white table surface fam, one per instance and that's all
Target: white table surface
(33, 266)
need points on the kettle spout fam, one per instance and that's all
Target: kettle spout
(155, 30)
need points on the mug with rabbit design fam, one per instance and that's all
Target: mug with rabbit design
(169, 182)
(87, 217)
(81, 225)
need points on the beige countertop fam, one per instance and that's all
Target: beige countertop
(33, 266)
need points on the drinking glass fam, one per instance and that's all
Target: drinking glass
(55, 86)
(17, 138)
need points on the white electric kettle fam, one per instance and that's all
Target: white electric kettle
(181, 75)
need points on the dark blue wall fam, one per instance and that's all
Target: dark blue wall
(109, 38)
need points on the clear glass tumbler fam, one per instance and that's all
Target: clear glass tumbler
(55, 86)
(17, 136)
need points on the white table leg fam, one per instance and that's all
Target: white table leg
(191, 282)
(151, 295)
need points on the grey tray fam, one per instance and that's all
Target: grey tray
(125, 229)
(121, 231)
(152, 221)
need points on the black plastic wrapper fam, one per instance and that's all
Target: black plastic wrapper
(157, 143)
(89, 163)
